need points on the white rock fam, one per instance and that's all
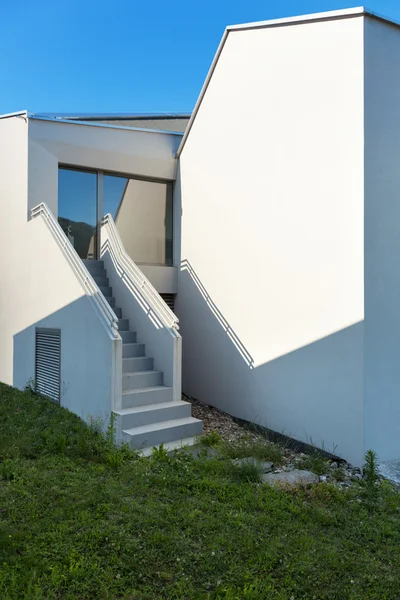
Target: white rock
(295, 477)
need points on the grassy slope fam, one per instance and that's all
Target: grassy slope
(76, 522)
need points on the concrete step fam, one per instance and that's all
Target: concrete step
(146, 396)
(106, 290)
(162, 432)
(170, 447)
(123, 324)
(89, 262)
(141, 379)
(153, 413)
(128, 336)
(111, 302)
(118, 312)
(97, 272)
(101, 281)
(132, 350)
(138, 363)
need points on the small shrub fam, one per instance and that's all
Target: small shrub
(114, 458)
(371, 479)
(338, 474)
(248, 471)
(261, 450)
(110, 435)
(211, 439)
(314, 462)
(159, 454)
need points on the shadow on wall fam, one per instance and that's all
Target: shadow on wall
(86, 358)
(248, 359)
(312, 393)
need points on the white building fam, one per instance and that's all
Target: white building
(274, 224)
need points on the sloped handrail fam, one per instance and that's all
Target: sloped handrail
(91, 289)
(142, 284)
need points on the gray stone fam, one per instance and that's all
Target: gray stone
(334, 465)
(295, 477)
(266, 467)
(390, 470)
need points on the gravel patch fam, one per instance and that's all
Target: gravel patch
(340, 473)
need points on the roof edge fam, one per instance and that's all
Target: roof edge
(21, 113)
(113, 116)
(332, 15)
(34, 117)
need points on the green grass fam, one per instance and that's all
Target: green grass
(260, 449)
(75, 525)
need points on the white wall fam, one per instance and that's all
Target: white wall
(141, 221)
(271, 181)
(382, 238)
(130, 152)
(39, 289)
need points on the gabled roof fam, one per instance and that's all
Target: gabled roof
(300, 19)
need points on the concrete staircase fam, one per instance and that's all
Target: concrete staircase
(149, 415)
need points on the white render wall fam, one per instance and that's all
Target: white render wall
(271, 291)
(382, 238)
(39, 289)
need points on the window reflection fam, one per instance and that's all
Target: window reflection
(142, 211)
(77, 209)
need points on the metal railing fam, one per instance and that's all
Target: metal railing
(87, 282)
(140, 281)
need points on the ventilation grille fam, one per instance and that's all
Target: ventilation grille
(48, 363)
(169, 299)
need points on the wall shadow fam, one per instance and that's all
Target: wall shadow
(312, 394)
(86, 358)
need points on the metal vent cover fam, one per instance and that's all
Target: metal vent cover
(169, 299)
(48, 363)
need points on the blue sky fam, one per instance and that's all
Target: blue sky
(124, 55)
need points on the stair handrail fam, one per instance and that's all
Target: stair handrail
(143, 285)
(91, 289)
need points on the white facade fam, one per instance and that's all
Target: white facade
(288, 289)
(40, 288)
(286, 240)
(112, 149)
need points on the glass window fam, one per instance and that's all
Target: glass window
(142, 211)
(77, 209)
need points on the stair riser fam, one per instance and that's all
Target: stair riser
(93, 264)
(128, 337)
(101, 281)
(146, 398)
(111, 302)
(169, 434)
(141, 380)
(133, 365)
(98, 272)
(106, 291)
(123, 324)
(155, 416)
(118, 312)
(132, 350)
